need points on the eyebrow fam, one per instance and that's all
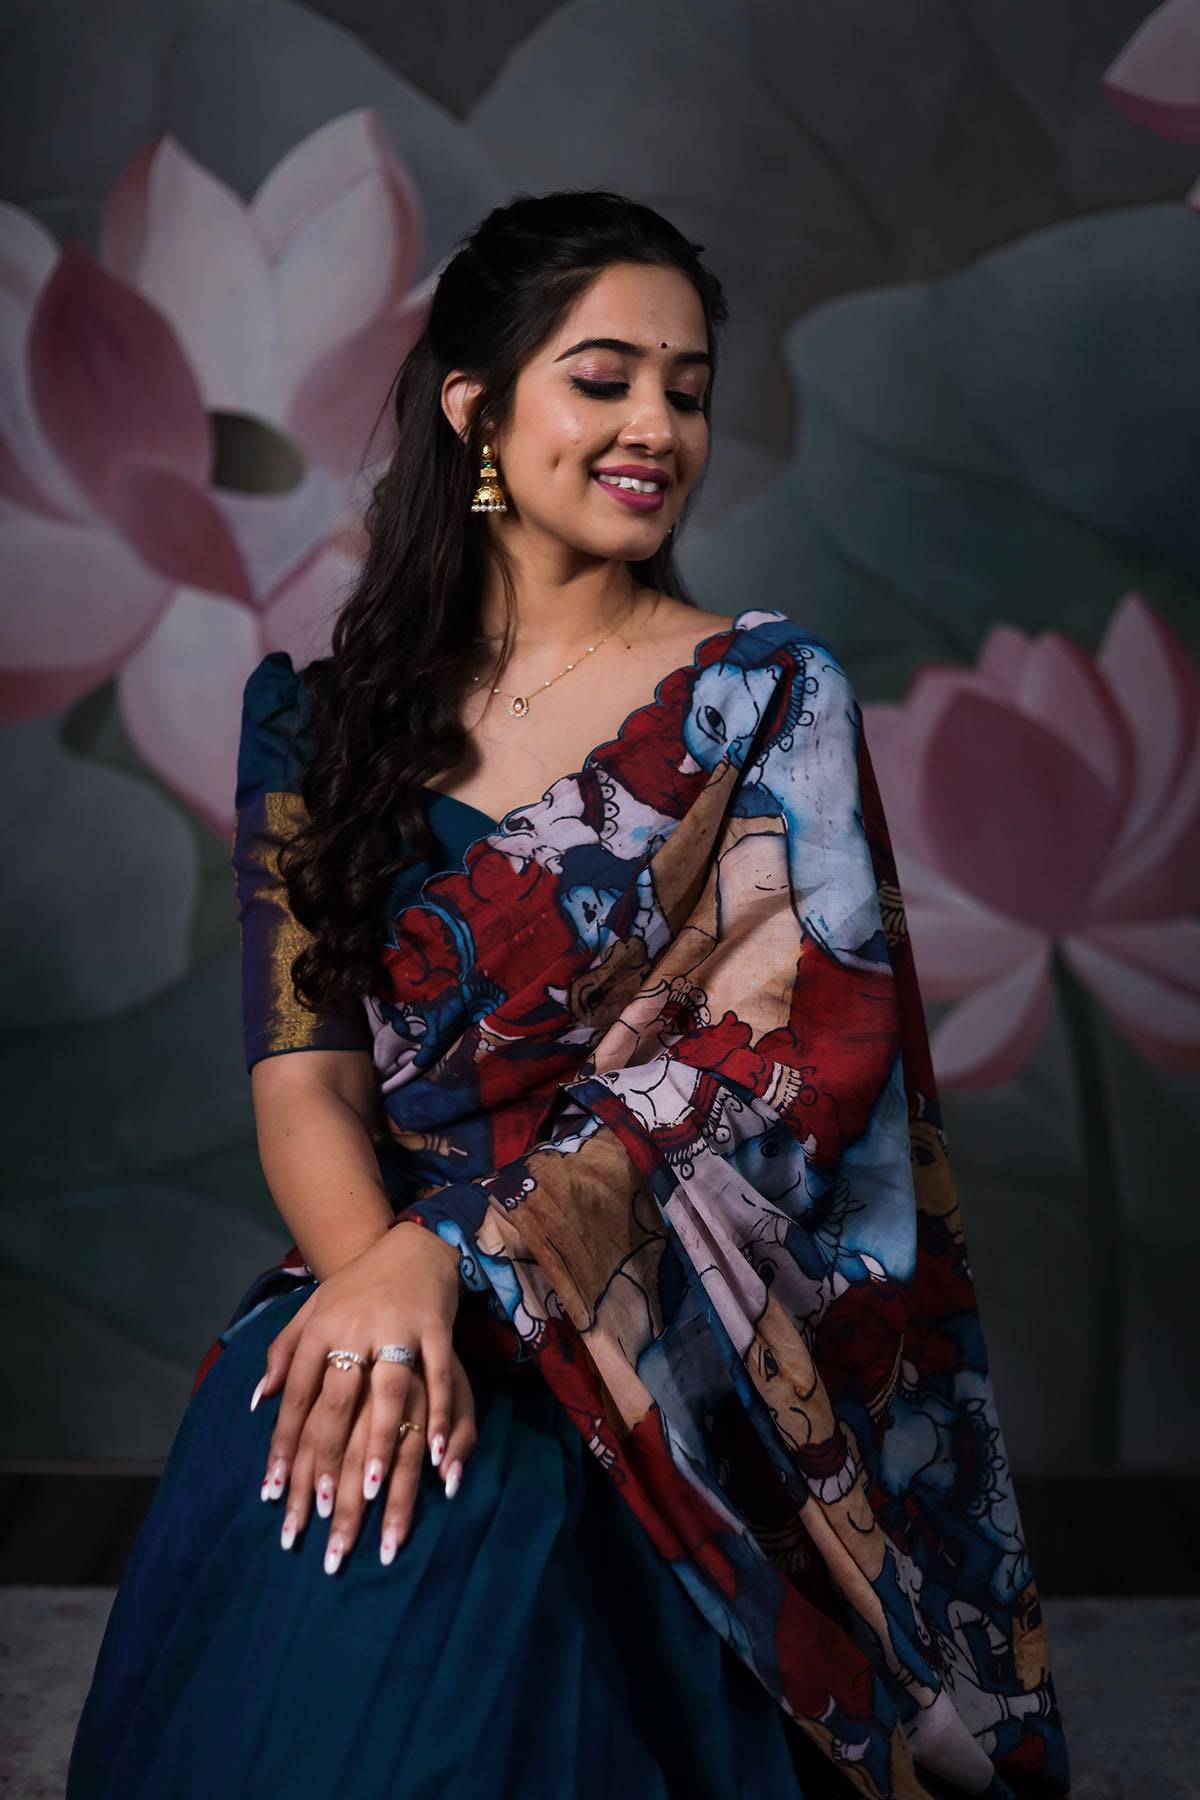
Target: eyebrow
(604, 343)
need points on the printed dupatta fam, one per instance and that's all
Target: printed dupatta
(656, 1063)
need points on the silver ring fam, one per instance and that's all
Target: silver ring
(397, 1353)
(346, 1359)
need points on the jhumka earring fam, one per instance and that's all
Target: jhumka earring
(489, 495)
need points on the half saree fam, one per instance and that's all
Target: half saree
(740, 1521)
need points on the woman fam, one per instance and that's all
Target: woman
(654, 1451)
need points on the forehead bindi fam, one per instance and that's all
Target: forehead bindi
(625, 313)
(627, 347)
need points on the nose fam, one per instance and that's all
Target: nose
(652, 423)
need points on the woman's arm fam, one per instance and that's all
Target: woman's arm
(314, 1110)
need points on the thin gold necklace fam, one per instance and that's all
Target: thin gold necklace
(518, 704)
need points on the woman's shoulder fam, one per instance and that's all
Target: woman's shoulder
(275, 684)
(688, 625)
(275, 738)
(754, 634)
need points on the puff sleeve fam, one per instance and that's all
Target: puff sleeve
(272, 751)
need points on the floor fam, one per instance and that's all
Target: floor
(1127, 1673)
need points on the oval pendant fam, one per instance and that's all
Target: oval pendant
(518, 706)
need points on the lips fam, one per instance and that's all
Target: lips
(629, 497)
(636, 472)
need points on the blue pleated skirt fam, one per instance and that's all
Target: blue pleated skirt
(527, 1643)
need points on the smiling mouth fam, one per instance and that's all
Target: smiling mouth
(629, 483)
(643, 497)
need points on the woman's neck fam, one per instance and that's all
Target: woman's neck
(554, 615)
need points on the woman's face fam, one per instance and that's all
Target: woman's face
(632, 402)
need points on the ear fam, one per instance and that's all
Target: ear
(460, 394)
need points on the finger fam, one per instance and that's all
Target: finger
(347, 1513)
(341, 1397)
(301, 1391)
(394, 1393)
(299, 1500)
(406, 1478)
(463, 1434)
(436, 1352)
(280, 1352)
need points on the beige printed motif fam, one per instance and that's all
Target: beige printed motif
(933, 1179)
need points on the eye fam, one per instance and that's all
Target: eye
(607, 390)
(715, 723)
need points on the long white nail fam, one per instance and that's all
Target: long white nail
(387, 1547)
(287, 1536)
(333, 1555)
(257, 1392)
(437, 1450)
(453, 1477)
(325, 1496)
(372, 1478)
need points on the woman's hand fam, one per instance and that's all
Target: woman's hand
(334, 1424)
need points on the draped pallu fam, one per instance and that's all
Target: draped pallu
(654, 1059)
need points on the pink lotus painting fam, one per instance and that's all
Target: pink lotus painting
(184, 420)
(1043, 804)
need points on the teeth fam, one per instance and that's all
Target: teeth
(627, 481)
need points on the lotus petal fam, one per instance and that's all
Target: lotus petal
(300, 619)
(29, 471)
(1156, 687)
(181, 698)
(353, 241)
(342, 410)
(110, 381)
(77, 602)
(989, 1037)
(183, 238)
(277, 535)
(1148, 977)
(1156, 77)
(1159, 876)
(962, 947)
(178, 529)
(1062, 688)
(1014, 816)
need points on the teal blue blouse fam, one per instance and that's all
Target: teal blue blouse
(274, 747)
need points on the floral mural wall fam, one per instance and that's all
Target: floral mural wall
(954, 435)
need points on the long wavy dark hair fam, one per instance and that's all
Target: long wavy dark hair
(383, 710)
